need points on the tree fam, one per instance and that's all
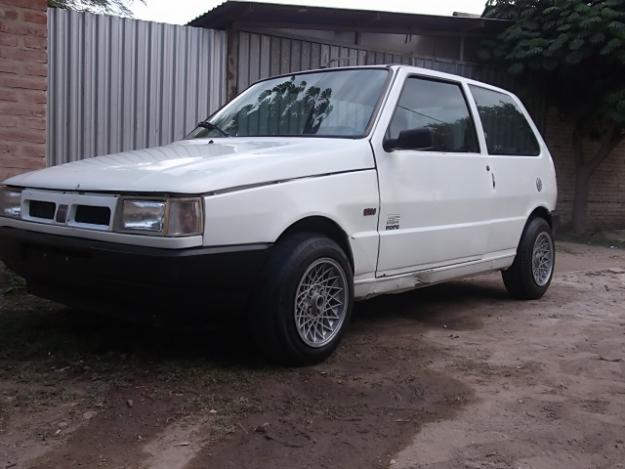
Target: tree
(111, 7)
(573, 51)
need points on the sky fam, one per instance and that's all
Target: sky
(183, 11)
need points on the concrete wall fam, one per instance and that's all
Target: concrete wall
(23, 83)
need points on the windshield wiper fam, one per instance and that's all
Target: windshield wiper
(211, 126)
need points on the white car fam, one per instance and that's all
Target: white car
(306, 192)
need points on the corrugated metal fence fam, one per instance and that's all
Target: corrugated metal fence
(263, 55)
(117, 84)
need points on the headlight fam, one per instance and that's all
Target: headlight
(10, 202)
(143, 215)
(168, 217)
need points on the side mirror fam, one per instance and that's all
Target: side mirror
(412, 139)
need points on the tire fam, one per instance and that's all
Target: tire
(284, 332)
(523, 280)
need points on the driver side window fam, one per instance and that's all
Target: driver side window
(434, 116)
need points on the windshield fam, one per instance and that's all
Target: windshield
(323, 104)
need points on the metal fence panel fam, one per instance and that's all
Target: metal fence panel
(263, 55)
(118, 84)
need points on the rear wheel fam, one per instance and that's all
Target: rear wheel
(530, 275)
(305, 302)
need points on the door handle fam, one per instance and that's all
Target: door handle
(492, 176)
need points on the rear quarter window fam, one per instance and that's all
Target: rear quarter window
(506, 129)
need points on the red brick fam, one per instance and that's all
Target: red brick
(30, 83)
(8, 13)
(21, 122)
(28, 55)
(33, 97)
(23, 84)
(32, 150)
(7, 94)
(22, 109)
(35, 69)
(25, 150)
(28, 69)
(26, 29)
(39, 5)
(35, 17)
(35, 42)
(8, 121)
(26, 162)
(9, 39)
(21, 135)
(9, 66)
(34, 123)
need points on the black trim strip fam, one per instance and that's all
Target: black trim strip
(281, 181)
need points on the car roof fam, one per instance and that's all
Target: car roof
(426, 72)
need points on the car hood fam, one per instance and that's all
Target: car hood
(198, 166)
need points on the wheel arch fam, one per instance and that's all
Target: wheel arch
(540, 212)
(321, 225)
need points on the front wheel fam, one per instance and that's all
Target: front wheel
(529, 277)
(305, 301)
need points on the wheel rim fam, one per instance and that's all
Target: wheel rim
(321, 302)
(542, 259)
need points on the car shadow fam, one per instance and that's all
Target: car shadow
(457, 305)
(37, 330)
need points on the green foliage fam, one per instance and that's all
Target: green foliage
(574, 50)
(111, 7)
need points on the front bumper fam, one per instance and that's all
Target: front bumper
(113, 277)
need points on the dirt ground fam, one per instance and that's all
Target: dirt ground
(453, 376)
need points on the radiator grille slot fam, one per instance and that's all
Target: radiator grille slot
(92, 215)
(41, 209)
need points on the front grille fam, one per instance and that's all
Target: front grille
(41, 209)
(92, 215)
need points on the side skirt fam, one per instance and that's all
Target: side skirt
(368, 288)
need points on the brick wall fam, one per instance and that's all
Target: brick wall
(23, 84)
(606, 205)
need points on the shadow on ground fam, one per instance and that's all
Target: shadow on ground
(347, 412)
(35, 330)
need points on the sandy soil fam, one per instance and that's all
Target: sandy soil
(454, 376)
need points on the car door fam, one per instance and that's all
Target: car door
(435, 184)
(518, 163)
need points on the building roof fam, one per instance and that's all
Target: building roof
(307, 17)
